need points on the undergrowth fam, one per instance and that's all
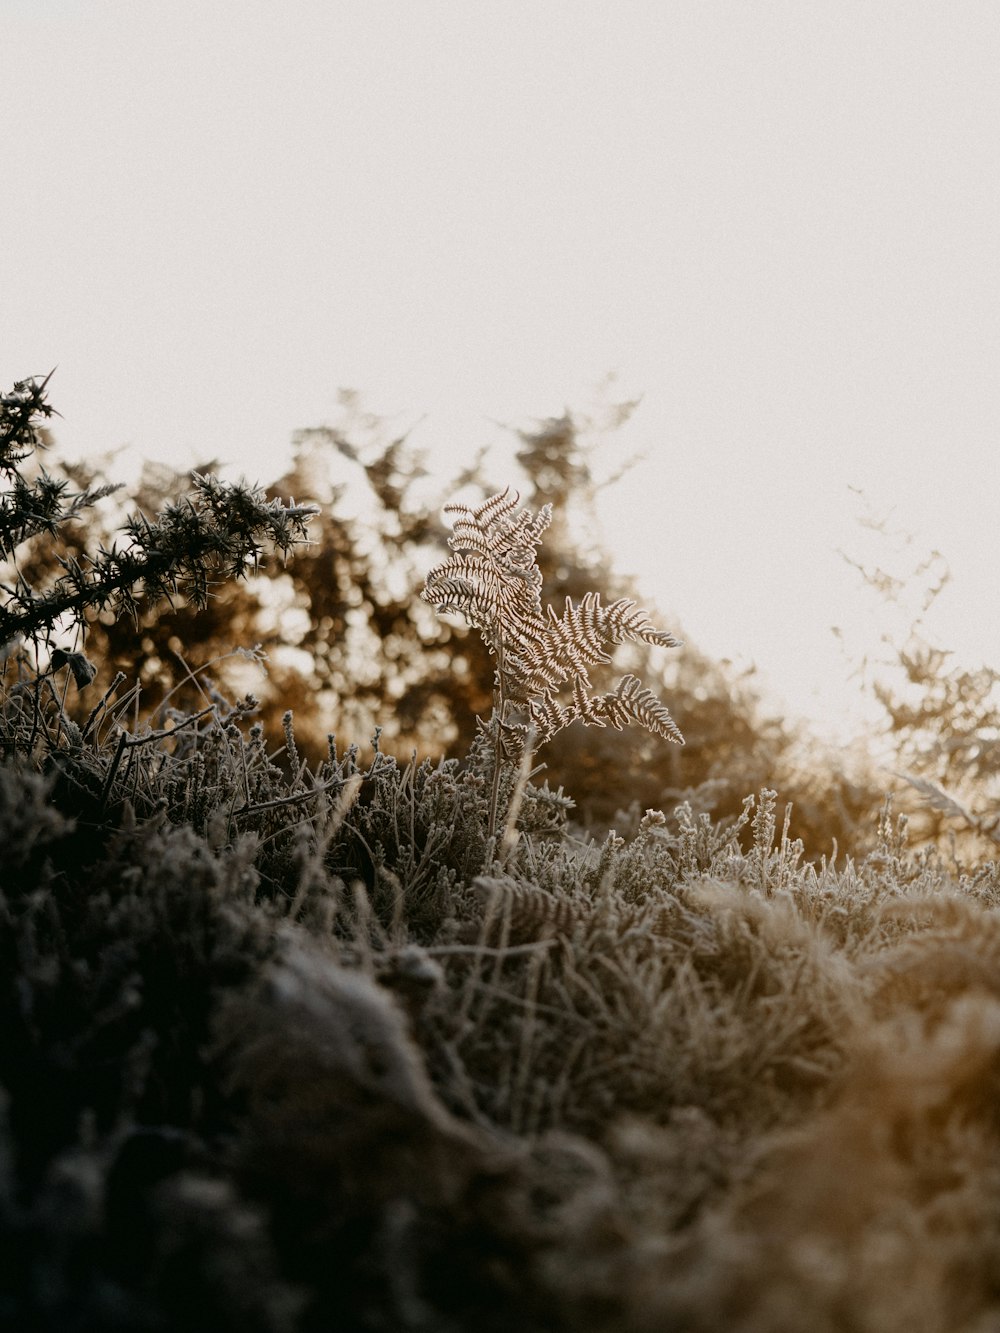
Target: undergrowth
(351, 1046)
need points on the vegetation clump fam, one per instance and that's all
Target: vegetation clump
(494, 581)
(293, 1043)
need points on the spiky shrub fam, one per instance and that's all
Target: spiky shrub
(543, 659)
(215, 533)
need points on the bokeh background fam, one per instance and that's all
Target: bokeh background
(775, 225)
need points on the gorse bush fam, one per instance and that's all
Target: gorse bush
(212, 535)
(291, 1044)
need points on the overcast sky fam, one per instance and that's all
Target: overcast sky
(778, 222)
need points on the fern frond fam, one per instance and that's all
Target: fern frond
(619, 622)
(576, 637)
(467, 537)
(508, 735)
(492, 597)
(497, 506)
(493, 579)
(531, 913)
(631, 702)
(533, 673)
(587, 708)
(525, 532)
(548, 716)
(490, 531)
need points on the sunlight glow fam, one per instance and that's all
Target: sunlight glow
(778, 224)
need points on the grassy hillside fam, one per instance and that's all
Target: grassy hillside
(319, 1062)
(373, 1046)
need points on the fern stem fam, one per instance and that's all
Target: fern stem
(499, 709)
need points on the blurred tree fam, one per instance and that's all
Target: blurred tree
(731, 746)
(367, 651)
(349, 644)
(941, 718)
(352, 647)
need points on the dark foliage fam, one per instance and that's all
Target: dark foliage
(348, 648)
(293, 1045)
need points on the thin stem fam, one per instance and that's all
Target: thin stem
(524, 773)
(499, 709)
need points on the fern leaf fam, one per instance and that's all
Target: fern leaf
(940, 800)
(467, 537)
(493, 579)
(532, 913)
(534, 673)
(575, 637)
(474, 583)
(548, 716)
(588, 708)
(619, 622)
(513, 738)
(496, 507)
(631, 702)
(556, 650)
(525, 532)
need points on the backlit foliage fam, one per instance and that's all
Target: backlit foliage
(494, 581)
(215, 533)
(290, 1045)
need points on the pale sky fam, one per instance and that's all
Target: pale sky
(777, 221)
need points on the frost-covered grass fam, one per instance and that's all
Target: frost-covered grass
(318, 1060)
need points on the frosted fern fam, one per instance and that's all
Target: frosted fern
(543, 658)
